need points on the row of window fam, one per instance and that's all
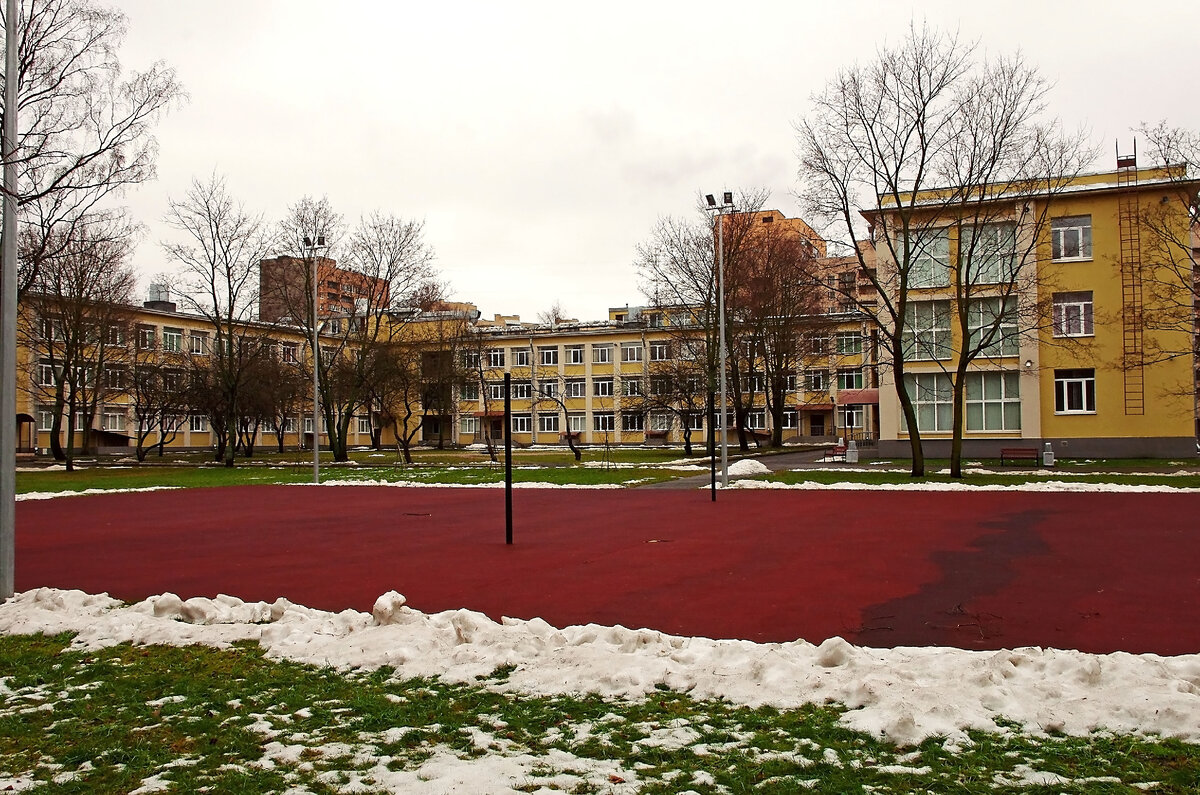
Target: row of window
(655, 422)
(988, 253)
(991, 324)
(847, 343)
(813, 380)
(993, 400)
(116, 418)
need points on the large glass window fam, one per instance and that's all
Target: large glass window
(993, 401)
(982, 317)
(1071, 237)
(548, 423)
(926, 333)
(1073, 314)
(988, 253)
(602, 387)
(633, 422)
(929, 259)
(601, 354)
(631, 353)
(548, 355)
(1075, 391)
(603, 421)
(521, 423)
(933, 400)
(660, 351)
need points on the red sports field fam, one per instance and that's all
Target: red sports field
(1097, 572)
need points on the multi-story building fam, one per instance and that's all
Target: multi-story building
(285, 288)
(1071, 365)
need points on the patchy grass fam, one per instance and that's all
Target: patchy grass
(1017, 477)
(199, 719)
(191, 476)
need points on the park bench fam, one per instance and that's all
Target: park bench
(1018, 454)
(837, 454)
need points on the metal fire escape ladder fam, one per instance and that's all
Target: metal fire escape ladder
(1133, 359)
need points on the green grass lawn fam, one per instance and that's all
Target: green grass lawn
(197, 719)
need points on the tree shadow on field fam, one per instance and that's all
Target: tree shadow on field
(940, 613)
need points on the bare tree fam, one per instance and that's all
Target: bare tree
(387, 266)
(1170, 240)
(80, 320)
(935, 147)
(554, 316)
(86, 125)
(160, 391)
(218, 279)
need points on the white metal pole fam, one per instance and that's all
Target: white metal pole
(316, 365)
(8, 315)
(724, 354)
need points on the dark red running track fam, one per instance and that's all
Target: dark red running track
(982, 570)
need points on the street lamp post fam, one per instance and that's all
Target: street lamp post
(311, 248)
(8, 315)
(726, 206)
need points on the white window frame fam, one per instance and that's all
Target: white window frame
(364, 426)
(574, 354)
(520, 357)
(1071, 233)
(849, 343)
(576, 388)
(852, 417)
(929, 265)
(816, 381)
(521, 390)
(695, 420)
(631, 387)
(522, 423)
(46, 374)
(289, 425)
(602, 387)
(1075, 391)
(994, 259)
(469, 391)
(468, 425)
(926, 334)
(604, 421)
(198, 343)
(631, 353)
(197, 423)
(548, 355)
(113, 419)
(45, 419)
(981, 313)
(172, 340)
(288, 352)
(602, 354)
(496, 357)
(850, 378)
(548, 422)
(660, 351)
(992, 401)
(496, 390)
(756, 420)
(577, 422)
(791, 419)
(548, 389)
(1074, 314)
(933, 400)
(146, 338)
(661, 421)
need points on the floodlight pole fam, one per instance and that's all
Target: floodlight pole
(726, 206)
(508, 524)
(8, 314)
(311, 248)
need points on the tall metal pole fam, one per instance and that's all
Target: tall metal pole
(508, 533)
(8, 315)
(724, 353)
(316, 326)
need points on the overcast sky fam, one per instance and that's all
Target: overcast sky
(539, 142)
